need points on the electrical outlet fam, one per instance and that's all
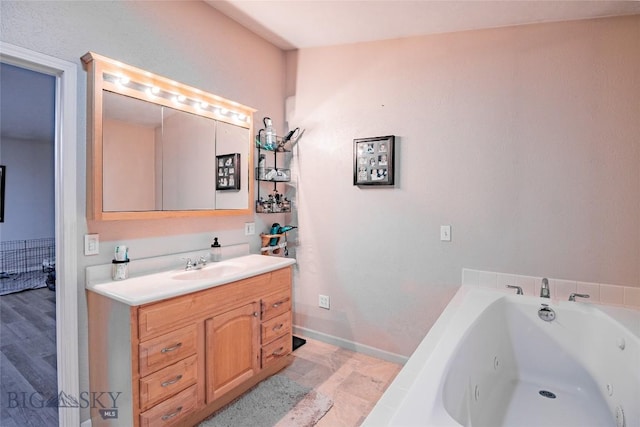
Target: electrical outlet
(91, 244)
(249, 228)
(323, 301)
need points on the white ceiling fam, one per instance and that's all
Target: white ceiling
(294, 24)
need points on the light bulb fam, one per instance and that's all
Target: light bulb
(152, 90)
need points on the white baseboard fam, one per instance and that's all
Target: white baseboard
(350, 345)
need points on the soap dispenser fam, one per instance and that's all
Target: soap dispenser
(216, 251)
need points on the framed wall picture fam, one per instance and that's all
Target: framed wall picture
(373, 160)
(228, 172)
(3, 172)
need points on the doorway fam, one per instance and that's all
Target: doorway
(65, 219)
(27, 248)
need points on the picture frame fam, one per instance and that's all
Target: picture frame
(3, 173)
(373, 160)
(228, 172)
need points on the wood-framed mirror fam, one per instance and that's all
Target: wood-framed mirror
(153, 144)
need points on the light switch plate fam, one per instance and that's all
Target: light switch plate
(249, 228)
(91, 244)
(445, 233)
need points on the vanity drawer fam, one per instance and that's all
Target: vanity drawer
(275, 304)
(156, 318)
(276, 349)
(172, 411)
(168, 381)
(167, 349)
(276, 327)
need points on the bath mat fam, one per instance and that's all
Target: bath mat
(276, 401)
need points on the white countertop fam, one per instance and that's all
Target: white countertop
(153, 287)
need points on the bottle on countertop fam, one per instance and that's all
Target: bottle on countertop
(216, 251)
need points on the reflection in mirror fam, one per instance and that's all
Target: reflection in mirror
(131, 154)
(230, 139)
(160, 158)
(189, 155)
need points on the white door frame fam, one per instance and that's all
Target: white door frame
(66, 127)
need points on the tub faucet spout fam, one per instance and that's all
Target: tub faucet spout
(544, 290)
(517, 288)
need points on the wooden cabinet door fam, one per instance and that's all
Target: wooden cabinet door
(232, 349)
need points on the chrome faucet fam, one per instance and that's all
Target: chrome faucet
(517, 288)
(573, 296)
(544, 290)
(197, 265)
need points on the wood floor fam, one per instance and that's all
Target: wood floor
(353, 381)
(28, 358)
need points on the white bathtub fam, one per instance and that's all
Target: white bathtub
(489, 356)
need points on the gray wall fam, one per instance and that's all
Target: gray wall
(29, 199)
(27, 117)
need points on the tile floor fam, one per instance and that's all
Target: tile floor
(353, 381)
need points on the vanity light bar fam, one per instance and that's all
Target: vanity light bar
(154, 91)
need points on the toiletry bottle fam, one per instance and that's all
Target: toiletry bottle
(216, 251)
(269, 134)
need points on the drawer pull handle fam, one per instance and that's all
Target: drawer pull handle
(279, 303)
(171, 415)
(278, 352)
(277, 327)
(170, 382)
(256, 314)
(168, 349)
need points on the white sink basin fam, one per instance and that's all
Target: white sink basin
(153, 287)
(212, 271)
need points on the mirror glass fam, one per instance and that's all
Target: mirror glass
(157, 158)
(157, 148)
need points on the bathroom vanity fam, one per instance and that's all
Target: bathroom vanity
(171, 348)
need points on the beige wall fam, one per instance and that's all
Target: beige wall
(526, 140)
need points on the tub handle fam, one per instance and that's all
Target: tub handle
(573, 296)
(519, 289)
